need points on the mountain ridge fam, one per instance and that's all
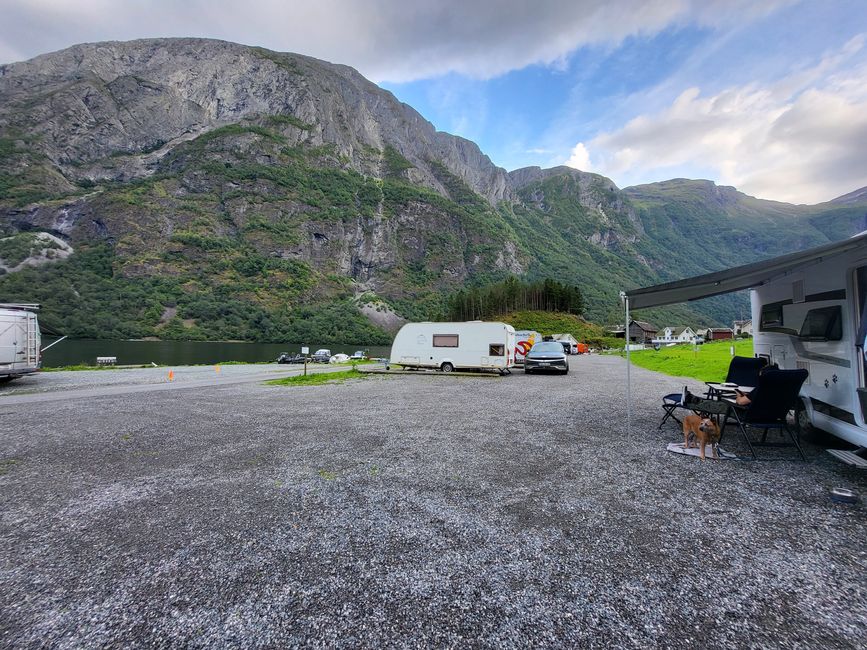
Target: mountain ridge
(240, 186)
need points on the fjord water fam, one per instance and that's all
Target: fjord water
(84, 351)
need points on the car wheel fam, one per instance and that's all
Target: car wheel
(447, 367)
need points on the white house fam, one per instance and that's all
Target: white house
(669, 335)
(743, 327)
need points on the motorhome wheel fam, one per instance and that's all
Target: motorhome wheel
(802, 419)
(447, 367)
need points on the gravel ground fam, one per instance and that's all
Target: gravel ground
(415, 511)
(64, 380)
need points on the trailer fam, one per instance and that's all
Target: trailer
(19, 340)
(809, 310)
(815, 318)
(524, 340)
(472, 345)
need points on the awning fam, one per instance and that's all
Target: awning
(739, 277)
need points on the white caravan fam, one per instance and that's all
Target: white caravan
(473, 345)
(19, 341)
(811, 318)
(524, 340)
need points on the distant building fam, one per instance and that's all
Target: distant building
(743, 327)
(719, 333)
(639, 332)
(676, 335)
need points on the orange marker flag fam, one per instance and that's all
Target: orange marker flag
(171, 375)
(217, 368)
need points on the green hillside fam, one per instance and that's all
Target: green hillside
(558, 323)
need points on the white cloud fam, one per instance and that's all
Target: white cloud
(580, 158)
(387, 40)
(800, 140)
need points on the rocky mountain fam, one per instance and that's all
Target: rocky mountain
(215, 190)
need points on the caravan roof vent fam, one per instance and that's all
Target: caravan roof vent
(798, 291)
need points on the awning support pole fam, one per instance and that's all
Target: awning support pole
(628, 364)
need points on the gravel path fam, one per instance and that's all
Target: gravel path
(408, 511)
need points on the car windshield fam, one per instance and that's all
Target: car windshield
(547, 347)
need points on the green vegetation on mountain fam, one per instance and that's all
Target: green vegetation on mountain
(489, 302)
(546, 323)
(18, 247)
(84, 297)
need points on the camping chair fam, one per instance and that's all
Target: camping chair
(744, 371)
(775, 395)
(670, 403)
(674, 401)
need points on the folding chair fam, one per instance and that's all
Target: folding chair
(775, 395)
(672, 402)
(744, 371)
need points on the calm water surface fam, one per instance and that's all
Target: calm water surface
(84, 351)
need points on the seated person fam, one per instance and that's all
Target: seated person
(741, 398)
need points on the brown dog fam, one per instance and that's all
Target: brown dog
(703, 431)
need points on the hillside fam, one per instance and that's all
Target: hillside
(213, 190)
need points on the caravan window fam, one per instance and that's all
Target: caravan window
(772, 316)
(825, 324)
(445, 340)
(496, 350)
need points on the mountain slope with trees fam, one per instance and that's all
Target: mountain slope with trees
(215, 190)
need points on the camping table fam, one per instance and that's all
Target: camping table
(719, 391)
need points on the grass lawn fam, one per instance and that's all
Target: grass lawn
(317, 378)
(709, 363)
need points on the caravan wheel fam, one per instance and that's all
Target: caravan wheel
(447, 367)
(802, 419)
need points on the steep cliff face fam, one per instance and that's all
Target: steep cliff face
(134, 101)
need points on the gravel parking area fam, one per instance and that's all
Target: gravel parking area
(66, 380)
(415, 511)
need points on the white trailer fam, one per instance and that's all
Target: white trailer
(19, 341)
(811, 319)
(473, 345)
(524, 340)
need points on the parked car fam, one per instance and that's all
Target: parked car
(285, 357)
(321, 356)
(547, 355)
(358, 355)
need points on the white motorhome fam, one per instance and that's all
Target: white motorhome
(524, 340)
(475, 345)
(19, 341)
(811, 319)
(809, 310)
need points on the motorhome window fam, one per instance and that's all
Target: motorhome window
(445, 340)
(496, 350)
(825, 323)
(772, 316)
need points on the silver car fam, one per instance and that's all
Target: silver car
(547, 355)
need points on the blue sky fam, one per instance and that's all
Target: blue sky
(537, 114)
(767, 95)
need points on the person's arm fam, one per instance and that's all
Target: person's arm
(741, 399)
